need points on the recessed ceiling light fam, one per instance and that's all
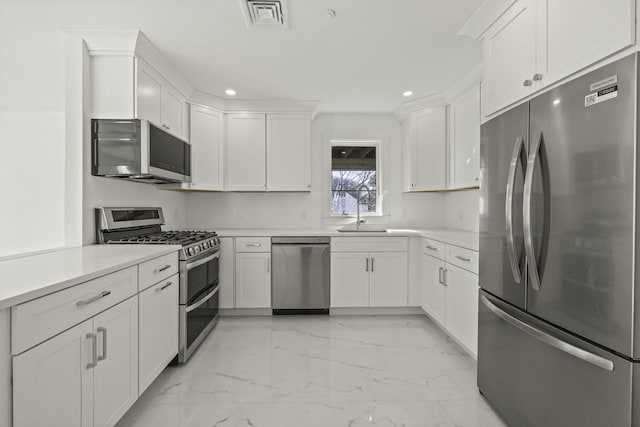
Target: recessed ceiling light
(407, 93)
(230, 92)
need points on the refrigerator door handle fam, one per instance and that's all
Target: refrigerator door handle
(526, 211)
(570, 349)
(518, 156)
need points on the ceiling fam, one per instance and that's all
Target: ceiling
(360, 61)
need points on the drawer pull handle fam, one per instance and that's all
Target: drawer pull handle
(165, 286)
(160, 270)
(433, 248)
(94, 350)
(254, 245)
(93, 299)
(463, 258)
(104, 343)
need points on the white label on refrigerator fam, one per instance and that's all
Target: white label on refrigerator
(604, 83)
(601, 96)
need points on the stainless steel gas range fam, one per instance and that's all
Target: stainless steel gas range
(199, 262)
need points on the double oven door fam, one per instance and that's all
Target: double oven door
(199, 295)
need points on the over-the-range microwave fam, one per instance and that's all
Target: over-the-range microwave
(138, 150)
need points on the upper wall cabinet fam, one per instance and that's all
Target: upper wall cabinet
(246, 152)
(464, 140)
(127, 87)
(288, 152)
(268, 152)
(428, 156)
(538, 42)
(207, 149)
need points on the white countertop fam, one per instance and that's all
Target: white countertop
(466, 239)
(33, 276)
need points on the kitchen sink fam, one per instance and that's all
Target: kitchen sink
(364, 228)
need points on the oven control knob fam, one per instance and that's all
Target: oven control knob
(205, 245)
(196, 249)
(216, 241)
(212, 242)
(190, 251)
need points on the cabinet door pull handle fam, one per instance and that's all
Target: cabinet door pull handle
(103, 356)
(527, 83)
(371, 264)
(161, 269)
(463, 258)
(94, 350)
(163, 287)
(93, 299)
(433, 248)
(366, 267)
(268, 265)
(444, 277)
(537, 77)
(440, 275)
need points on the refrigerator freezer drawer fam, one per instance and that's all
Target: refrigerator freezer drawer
(536, 375)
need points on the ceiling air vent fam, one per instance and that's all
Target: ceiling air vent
(265, 13)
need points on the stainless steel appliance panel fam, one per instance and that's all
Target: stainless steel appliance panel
(503, 152)
(300, 277)
(537, 375)
(581, 173)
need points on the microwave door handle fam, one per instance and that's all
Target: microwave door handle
(517, 156)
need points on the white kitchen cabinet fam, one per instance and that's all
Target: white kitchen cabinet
(246, 152)
(535, 43)
(510, 57)
(126, 87)
(52, 385)
(574, 34)
(433, 291)
(207, 149)
(389, 279)
(56, 383)
(375, 278)
(450, 293)
(428, 138)
(253, 280)
(288, 152)
(350, 279)
(462, 306)
(464, 141)
(115, 378)
(268, 152)
(158, 326)
(227, 273)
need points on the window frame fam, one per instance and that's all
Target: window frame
(377, 143)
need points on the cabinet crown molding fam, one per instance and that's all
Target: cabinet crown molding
(484, 16)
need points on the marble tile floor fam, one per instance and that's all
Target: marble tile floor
(307, 371)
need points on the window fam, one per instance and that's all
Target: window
(354, 177)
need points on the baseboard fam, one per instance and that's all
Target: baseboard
(351, 311)
(244, 312)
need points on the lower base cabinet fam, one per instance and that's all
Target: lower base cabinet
(158, 329)
(450, 297)
(85, 376)
(253, 280)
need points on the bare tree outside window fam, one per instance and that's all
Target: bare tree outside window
(353, 179)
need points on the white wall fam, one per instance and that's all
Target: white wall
(462, 210)
(311, 210)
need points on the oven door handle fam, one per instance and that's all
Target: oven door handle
(195, 264)
(203, 299)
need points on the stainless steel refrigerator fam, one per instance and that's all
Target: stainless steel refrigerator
(559, 324)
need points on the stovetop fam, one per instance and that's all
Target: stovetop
(193, 243)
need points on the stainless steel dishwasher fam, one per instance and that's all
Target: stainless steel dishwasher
(300, 274)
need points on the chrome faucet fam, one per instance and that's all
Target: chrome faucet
(358, 190)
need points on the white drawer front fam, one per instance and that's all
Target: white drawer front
(152, 271)
(433, 248)
(369, 244)
(465, 258)
(253, 244)
(38, 320)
